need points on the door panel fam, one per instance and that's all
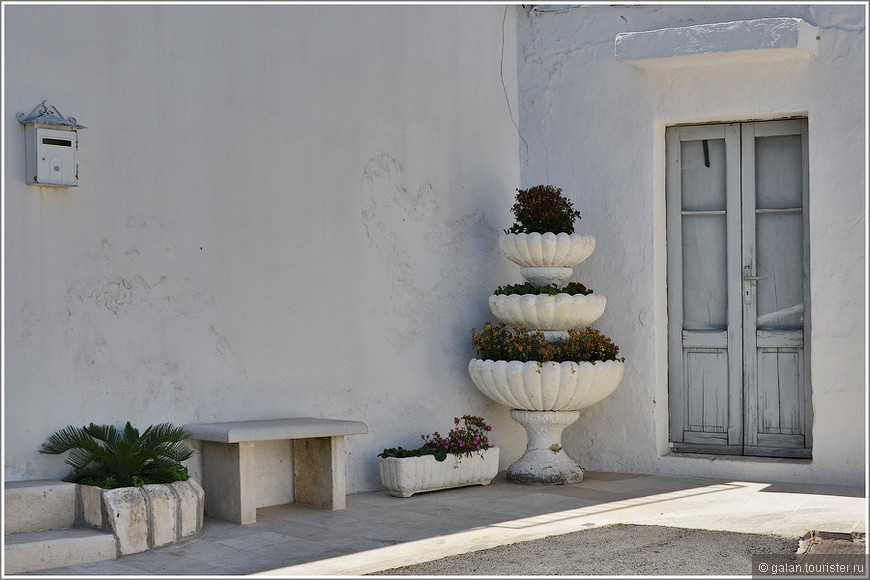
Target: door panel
(705, 305)
(706, 402)
(779, 249)
(703, 175)
(774, 194)
(737, 263)
(707, 391)
(778, 171)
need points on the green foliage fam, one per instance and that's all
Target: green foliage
(402, 452)
(104, 456)
(465, 439)
(571, 289)
(501, 343)
(543, 208)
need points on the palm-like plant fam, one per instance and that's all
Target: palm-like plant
(105, 456)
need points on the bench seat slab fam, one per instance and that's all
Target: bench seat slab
(274, 429)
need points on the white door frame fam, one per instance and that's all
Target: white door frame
(721, 352)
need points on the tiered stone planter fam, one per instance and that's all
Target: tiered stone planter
(546, 397)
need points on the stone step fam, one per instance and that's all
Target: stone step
(40, 550)
(39, 505)
(53, 523)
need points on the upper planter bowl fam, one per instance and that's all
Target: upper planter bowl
(547, 250)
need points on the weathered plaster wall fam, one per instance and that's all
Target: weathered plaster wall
(595, 127)
(283, 211)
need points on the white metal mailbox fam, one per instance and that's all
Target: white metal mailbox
(55, 159)
(51, 143)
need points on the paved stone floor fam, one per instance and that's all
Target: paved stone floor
(617, 550)
(378, 532)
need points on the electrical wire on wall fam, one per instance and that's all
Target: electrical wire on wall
(503, 86)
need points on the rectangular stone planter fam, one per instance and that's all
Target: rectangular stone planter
(405, 476)
(144, 517)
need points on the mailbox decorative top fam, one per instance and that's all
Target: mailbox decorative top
(48, 115)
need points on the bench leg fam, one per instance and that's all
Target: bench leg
(319, 470)
(229, 481)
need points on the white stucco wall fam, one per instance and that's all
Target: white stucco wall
(595, 127)
(283, 211)
(292, 211)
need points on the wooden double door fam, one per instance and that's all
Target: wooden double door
(738, 288)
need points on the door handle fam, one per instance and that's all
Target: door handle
(748, 286)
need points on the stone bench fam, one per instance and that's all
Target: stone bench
(229, 470)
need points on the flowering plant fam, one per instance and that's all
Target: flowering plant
(464, 439)
(501, 343)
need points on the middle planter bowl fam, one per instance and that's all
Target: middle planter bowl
(546, 312)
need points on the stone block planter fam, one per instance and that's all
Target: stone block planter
(405, 476)
(144, 517)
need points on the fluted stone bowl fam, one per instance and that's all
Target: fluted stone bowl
(547, 250)
(545, 312)
(547, 386)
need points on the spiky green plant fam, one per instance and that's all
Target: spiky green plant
(105, 456)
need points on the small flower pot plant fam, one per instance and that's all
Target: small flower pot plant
(464, 439)
(463, 457)
(131, 483)
(108, 457)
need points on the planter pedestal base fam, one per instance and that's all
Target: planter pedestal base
(545, 462)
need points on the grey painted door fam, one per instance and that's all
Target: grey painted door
(737, 286)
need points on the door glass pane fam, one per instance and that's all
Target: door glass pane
(778, 176)
(705, 304)
(780, 297)
(703, 188)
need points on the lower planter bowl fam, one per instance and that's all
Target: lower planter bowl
(405, 476)
(545, 312)
(547, 386)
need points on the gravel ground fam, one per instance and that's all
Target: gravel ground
(614, 550)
